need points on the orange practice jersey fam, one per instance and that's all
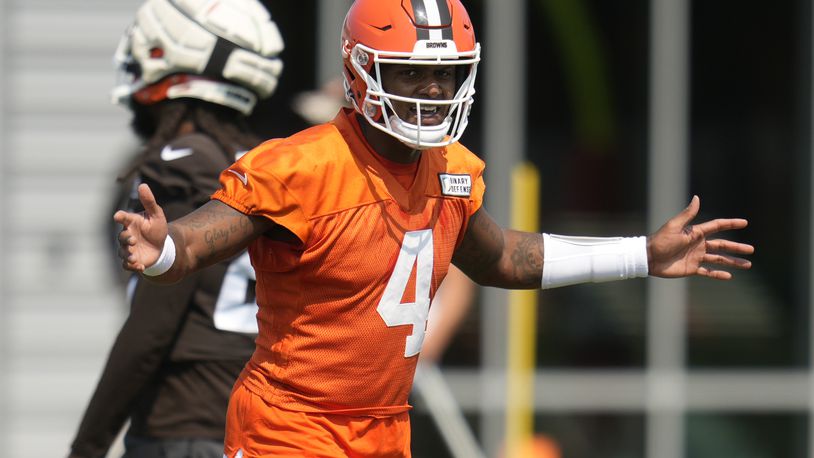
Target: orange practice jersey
(342, 316)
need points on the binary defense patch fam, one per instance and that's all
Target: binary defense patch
(455, 185)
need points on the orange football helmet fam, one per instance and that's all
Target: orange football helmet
(414, 32)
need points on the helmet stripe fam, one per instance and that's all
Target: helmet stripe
(421, 20)
(445, 18)
(420, 13)
(443, 12)
(220, 55)
(432, 13)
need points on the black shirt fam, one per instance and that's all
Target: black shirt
(174, 362)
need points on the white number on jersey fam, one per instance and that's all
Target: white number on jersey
(232, 310)
(416, 250)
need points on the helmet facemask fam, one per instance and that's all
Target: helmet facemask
(377, 105)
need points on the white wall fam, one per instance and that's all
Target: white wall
(63, 143)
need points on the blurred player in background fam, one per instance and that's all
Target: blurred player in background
(450, 306)
(353, 224)
(192, 72)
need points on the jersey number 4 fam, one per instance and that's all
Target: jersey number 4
(416, 250)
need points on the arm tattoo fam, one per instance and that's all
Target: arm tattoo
(527, 259)
(493, 256)
(216, 225)
(219, 237)
(472, 256)
(212, 237)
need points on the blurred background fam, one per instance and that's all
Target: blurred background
(626, 108)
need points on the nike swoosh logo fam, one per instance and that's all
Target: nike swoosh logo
(170, 154)
(243, 178)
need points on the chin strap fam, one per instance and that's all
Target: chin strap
(419, 137)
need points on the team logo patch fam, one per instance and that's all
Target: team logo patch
(457, 185)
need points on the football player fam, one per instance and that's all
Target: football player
(192, 71)
(352, 225)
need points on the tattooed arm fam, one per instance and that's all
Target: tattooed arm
(213, 232)
(494, 256)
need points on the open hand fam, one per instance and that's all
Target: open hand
(142, 237)
(681, 249)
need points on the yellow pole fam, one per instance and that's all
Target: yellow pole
(522, 321)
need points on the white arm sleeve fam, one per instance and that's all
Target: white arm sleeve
(568, 260)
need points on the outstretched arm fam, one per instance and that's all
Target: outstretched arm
(493, 256)
(213, 232)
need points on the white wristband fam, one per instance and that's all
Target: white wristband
(164, 261)
(569, 260)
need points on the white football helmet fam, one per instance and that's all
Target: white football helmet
(414, 32)
(221, 51)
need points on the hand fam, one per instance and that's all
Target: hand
(681, 249)
(142, 237)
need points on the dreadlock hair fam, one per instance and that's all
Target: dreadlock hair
(158, 124)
